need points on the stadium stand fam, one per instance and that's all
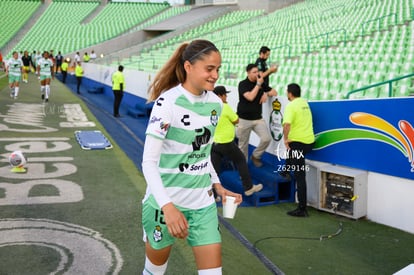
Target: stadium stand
(333, 48)
(173, 11)
(160, 52)
(14, 15)
(65, 31)
(320, 44)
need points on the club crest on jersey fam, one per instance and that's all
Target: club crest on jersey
(214, 118)
(157, 234)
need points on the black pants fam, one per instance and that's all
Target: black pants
(296, 163)
(117, 102)
(64, 75)
(232, 152)
(78, 83)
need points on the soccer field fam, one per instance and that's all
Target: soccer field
(75, 211)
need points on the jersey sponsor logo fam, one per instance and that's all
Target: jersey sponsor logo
(197, 167)
(197, 155)
(186, 120)
(193, 167)
(154, 119)
(202, 138)
(163, 125)
(159, 101)
(183, 167)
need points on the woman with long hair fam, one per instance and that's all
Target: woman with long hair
(179, 202)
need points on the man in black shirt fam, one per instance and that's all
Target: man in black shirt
(252, 94)
(59, 61)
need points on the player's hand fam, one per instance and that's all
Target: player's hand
(286, 141)
(223, 192)
(176, 222)
(273, 68)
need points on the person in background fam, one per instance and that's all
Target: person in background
(59, 61)
(252, 95)
(179, 202)
(1, 62)
(46, 74)
(299, 139)
(225, 146)
(264, 70)
(93, 55)
(86, 57)
(52, 58)
(64, 69)
(76, 59)
(14, 69)
(118, 86)
(36, 57)
(79, 74)
(27, 61)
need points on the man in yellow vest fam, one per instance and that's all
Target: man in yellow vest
(118, 86)
(86, 57)
(299, 139)
(225, 146)
(79, 75)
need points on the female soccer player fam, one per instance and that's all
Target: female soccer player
(14, 69)
(179, 201)
(46, 73)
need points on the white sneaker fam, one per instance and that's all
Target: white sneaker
(255, 188)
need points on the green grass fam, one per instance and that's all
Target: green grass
(293, 244)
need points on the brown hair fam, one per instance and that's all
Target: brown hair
(173, 73)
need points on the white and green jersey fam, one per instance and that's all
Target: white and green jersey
(15, 67)
(186, 124)
(45, 66)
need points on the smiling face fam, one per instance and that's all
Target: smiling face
(203, 73)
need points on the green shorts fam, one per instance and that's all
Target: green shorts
(203, 226)
(43, 77)
(14, 78)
